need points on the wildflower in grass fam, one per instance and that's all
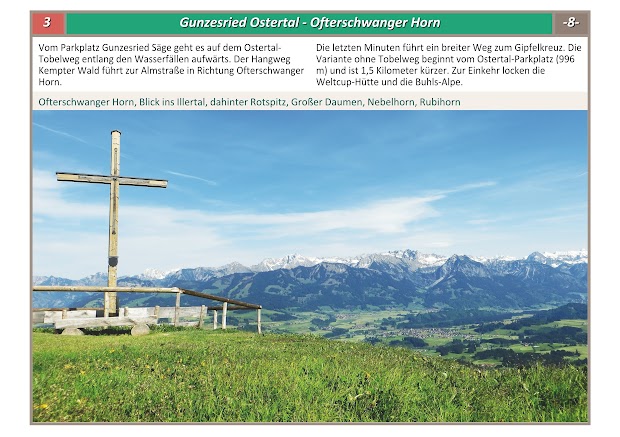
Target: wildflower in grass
(68, 366)
(41, 407)
(82, 372)
(112, 351)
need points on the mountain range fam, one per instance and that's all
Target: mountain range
(405, 278)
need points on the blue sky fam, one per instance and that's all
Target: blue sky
(247, 185)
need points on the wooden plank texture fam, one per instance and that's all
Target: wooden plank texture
(237, 304)
(166, 312)
(53, 316)
(195, 324)
(110, 297)
(220, 299)
(140, 312)
(70, 309)
(101, 179)
(91, 289)
(50, 315)
(105, 321)
(258, 321)
(177, 307)
(201, 317)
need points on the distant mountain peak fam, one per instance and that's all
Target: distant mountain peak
(233, 264)
(463, 264)
(230, 268)
(536, 256)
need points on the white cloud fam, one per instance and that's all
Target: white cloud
(385, 216)
(467, 187)
(481, 221)
(189, 176)
(48, 202)
(64, 134)
(166, 237)
(562, 218)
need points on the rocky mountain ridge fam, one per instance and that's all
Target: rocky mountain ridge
(398, 278)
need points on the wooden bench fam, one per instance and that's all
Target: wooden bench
(128, 317)
(105, 322)
(73, 319)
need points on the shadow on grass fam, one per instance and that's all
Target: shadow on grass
(121, 330)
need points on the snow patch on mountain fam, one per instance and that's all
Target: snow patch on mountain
(567, 257)
(487, 260)
(151, 274)
(286, 262)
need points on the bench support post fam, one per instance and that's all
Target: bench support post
(258, 320)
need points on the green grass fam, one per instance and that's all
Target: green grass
(581, 348)
(190, 375)
(577, 323)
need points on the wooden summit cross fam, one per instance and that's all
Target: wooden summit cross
(110, 304)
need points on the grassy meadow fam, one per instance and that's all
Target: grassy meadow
(192, 375)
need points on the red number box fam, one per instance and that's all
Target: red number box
(48, 23)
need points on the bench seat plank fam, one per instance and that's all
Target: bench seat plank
(103, 321)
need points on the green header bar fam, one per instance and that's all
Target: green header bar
(315, 23)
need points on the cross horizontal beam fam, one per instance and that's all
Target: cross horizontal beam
(101, 179)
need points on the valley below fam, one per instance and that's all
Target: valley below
(479, 311)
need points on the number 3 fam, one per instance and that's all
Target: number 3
(47, 22)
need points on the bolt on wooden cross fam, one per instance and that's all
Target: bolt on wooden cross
(110, 305)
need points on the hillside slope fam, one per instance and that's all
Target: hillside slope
(190, 375)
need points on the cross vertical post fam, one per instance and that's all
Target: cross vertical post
(115, 166)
